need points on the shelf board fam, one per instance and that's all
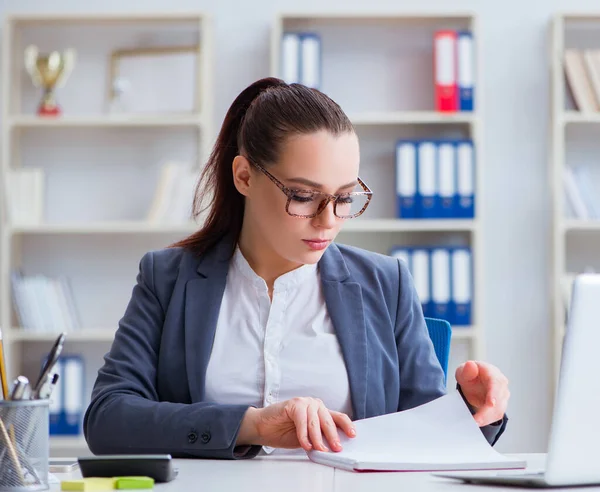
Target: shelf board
(582, 225)
(67, 442)
(406, 225)
(581, 117)
(107, 121)
(102, 18)
(84, 335)
(376, 16)
(118, 227)
(141, 227)
(463, 333)
(411, 117)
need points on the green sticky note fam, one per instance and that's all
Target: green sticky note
(131, 483)
(95, 484)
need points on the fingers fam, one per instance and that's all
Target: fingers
(496, 402)
(329, 429)
(301, 422)
(467, 372)
(343, 422)
(314, 427)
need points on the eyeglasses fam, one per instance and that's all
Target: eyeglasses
(309, 203)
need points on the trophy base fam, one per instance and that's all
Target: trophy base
(46, 110)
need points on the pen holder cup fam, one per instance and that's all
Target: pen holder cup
(24, 445)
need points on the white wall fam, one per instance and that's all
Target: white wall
(514, 44)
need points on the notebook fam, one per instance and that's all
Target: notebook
(439, 435)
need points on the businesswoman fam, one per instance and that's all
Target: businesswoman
(257, 332)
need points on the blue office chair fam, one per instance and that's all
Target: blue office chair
(440, 333)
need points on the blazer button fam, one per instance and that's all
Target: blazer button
(205, 437)
(192, 437)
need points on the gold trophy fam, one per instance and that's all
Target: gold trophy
(49, 71)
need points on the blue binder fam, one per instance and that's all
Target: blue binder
(57, 401)
(441, 281)
(466, 71)
(310, 60)
(406, 179)
(403, 254)
(73, 391)
(465, 162)
(446, 206)
(421, 272)
(427, 179)
(462, 286)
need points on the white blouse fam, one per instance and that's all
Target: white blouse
(268, 351)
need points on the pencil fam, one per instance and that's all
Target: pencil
(3, 376)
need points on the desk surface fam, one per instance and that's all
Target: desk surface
(298, 474)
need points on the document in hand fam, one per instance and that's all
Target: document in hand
(439, 435)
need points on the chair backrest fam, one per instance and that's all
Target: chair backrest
(440, 333)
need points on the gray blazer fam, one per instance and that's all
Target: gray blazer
(149, 394)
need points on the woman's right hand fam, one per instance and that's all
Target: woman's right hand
(299, 422)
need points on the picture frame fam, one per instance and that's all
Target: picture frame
(154, 80)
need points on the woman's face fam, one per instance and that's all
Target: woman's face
(318, 162)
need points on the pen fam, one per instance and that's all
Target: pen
(47, 387)
(19, 388)
(3, 377)
(47, 368)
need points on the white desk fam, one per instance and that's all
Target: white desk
(293, 474)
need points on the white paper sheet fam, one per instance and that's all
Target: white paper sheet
(440, 435)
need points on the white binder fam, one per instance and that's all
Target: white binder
(290, 57)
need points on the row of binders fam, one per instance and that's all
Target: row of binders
(582, 198)
(301, 59)
(582, 71)
(443, 279)
(44, 304)
(435, 179)
(67, 399)
(174, 194)
(454, 70)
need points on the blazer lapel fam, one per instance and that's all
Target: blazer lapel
(203, 297)
(345, 306)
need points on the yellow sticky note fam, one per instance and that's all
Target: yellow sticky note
(134, 483)
(89, 484)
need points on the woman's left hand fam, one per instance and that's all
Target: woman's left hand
(485, 388)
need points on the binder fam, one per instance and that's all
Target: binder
(310, 60)
(406, 179)
(440, 284)
(426, 179)
(55, 407)
(445, 68)
(465, 179)
(290, 57)
(73, 389)
(466, 71)
(462, 286)
(402, 254)
(421, 272)
(446, 179)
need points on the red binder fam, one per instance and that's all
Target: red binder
(445, 70)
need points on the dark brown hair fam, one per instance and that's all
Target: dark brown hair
(257, 124)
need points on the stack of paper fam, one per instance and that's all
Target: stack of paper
(440, 435)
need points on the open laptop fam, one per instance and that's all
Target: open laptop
(574, 446)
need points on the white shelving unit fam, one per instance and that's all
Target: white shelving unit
(57, 247)
(383, 110)
(575, 241)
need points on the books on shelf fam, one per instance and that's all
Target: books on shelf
(443, 278)
(25, 195)
(174, 194)
(454, 70)
(44, 304)
(435, 179)
(582, 72)
(301, 58)
(582, 200)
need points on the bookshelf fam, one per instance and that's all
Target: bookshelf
(379, 68)
(574, 137)
(95, 161)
